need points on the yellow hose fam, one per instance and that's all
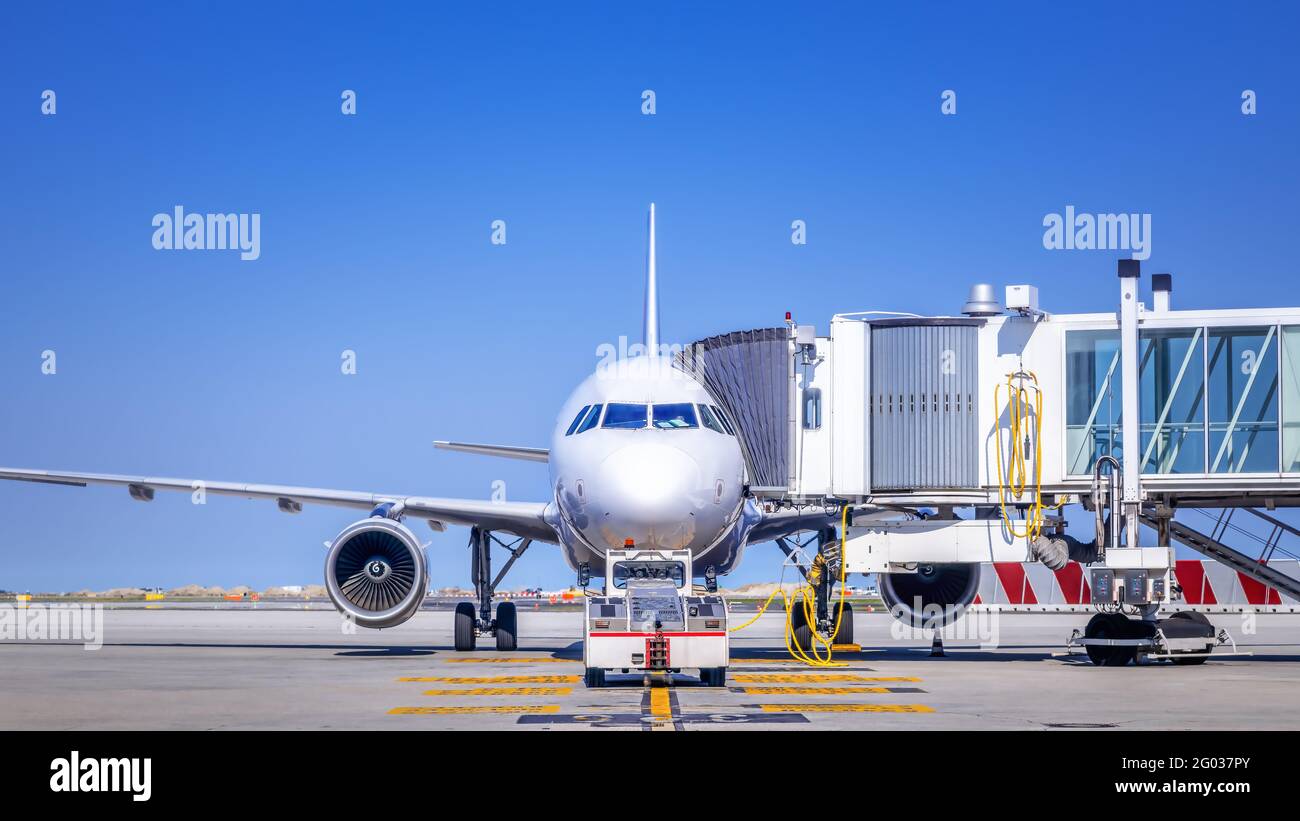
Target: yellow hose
(806, 596)
(1022, 388)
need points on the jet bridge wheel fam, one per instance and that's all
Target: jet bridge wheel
(507, 627)
(1109, 626)
(466, 628)
(1198, 618)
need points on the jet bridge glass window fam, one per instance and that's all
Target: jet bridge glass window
(675, 415)
(1291, 399)
(577, 420)
(710, 420)
(625, 416)
(592, 418)
(1093, 398)
(812, 408)
(1172, 400)
(1243, 400)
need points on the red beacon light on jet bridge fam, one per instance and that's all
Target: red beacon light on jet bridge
(629, 542)
(789, 317)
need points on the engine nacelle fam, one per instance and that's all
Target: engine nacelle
(935, 595)
(376, 573)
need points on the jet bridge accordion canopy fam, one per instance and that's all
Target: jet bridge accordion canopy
(750, 374)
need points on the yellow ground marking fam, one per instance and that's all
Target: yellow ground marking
(846, 708)
(515, 660)
(660, 706)
(846, 648)
(799, 678)
(495, 679)
(812, 691)
(414, 711)
(504, 691)
(785, 660)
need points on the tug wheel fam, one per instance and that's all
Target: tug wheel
(713, 676)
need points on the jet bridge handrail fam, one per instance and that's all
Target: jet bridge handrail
(1223, 523)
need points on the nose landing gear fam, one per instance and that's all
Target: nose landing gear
(471, 621)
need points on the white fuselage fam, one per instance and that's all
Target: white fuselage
(665, 485)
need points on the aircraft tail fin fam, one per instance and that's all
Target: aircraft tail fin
(650, 335)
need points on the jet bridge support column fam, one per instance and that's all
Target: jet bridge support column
(1136, 579)
(1131, 431)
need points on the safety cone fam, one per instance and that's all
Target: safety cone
(936, 646)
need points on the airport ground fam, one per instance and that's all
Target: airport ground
(207, 667)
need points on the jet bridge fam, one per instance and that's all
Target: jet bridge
(957, 439)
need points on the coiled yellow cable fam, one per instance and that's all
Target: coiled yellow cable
(1022, 388)
(806, 597)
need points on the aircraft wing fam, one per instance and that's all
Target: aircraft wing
(506, 451)
(520, 518)
(784, 522)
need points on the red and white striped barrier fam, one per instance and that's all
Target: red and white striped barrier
(1203, 581)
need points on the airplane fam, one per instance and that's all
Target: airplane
(641, 454)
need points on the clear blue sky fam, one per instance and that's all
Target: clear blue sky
(375, 228)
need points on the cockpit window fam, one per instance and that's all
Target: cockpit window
(625, 416)
(577, 420)
(710, 420)
(592, 418)
(722, 417)
(675, 415)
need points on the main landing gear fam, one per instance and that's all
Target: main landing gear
(821, 576)
(472, 621)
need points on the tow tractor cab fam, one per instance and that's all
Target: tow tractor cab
(647, 620)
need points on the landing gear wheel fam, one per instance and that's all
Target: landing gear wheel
(845, 621)
(466, 630)
(713, 676)
(1109, 626)
(507, 627)
(1199, 618)
(803, 633)
(595, 677)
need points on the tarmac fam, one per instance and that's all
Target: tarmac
(240, 669)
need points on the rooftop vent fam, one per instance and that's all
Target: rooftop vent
(982, 301)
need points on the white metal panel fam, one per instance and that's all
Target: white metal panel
(874, 547)
(850, 442)
(812, 448)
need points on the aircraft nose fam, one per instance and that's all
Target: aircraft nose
(651, 493)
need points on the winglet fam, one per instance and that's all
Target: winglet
(651, 333)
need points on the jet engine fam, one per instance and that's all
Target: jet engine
(376, 573)
(935, 595)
